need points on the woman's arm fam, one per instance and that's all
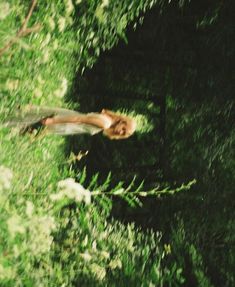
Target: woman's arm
(94, 120)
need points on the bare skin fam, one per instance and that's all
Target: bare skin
(86, 119)
(114, 126)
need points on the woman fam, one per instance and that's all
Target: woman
(67, 122)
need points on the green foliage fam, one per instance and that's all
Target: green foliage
(208, 154)
(188, 258)
(100, 25)
(132, 193)
(51, 235)
(35, 67)
(55, 232)
(61, 238)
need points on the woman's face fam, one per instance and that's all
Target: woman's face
(120, 128)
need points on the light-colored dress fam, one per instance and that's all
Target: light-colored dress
(32, 115)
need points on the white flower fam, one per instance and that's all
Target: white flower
(40, 80)
(61, 24)
(72, 190)
(94, 245)
(12, 85)
(46, 41)
(116, 263)
(40, 229)
(104, 3)
(86, 256)
(57, 196)
(46, 56)
(16, 250)
(4, 10)
(37, 93)
(6, 273)
(6, 176)
(63, 88)
(98, 271)
(55, 44)
(51, 23)
(105, 254)
(29, 208)
(69, 6)
(14, 224)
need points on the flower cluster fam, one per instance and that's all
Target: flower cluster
(61, 91)
(70, 189)
(5, 178)
(15, 225)
(4, 10)
(40, 229)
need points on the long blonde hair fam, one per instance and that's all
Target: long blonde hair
(123, 126)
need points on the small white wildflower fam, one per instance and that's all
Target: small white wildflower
(72, 190)
(116, 263)
(85, 241)
(46, 155)
(105, 254)
(40, 80)
(55, 44)
(69, 20)
(94, 245)
(86, 256)
(91, 35)
(16, 250)
(46, 41)
(14, 224)
(57, 93)
(98, 271)
(69, 7)
(40, 229)
(104, 3)
(37, 93)
(103, 235)
(6, 176)
(65, 183)
(51, 23)
(12, 85)
(57, 196)
(29, 208)
(6, 273)
(4, 10)
(64, 86)
(61, 24)
(46, 56)
(63, 89)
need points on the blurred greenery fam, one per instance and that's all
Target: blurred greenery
(120, 213)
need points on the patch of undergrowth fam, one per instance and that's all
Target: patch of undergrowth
(58, 234)
(52, 232)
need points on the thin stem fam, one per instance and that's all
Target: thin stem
(23, 31)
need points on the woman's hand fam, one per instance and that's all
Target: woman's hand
(47, 121)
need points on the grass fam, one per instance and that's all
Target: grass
(46, 243)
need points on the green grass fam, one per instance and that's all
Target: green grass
(66, 241)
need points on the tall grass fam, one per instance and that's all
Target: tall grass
(50, 233)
